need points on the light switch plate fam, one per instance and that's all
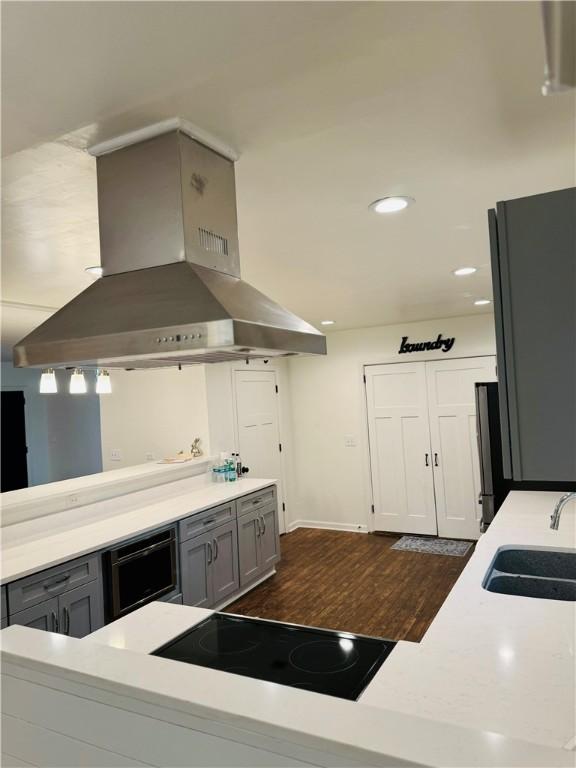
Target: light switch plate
(349, 441)
(115, 454)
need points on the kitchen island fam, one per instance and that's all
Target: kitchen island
(490, 684)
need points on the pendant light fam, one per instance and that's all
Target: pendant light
(77, 382)
(48, 383)
(103, 382)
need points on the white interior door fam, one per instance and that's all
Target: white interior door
(258, 427)
(452, 406)
(400, 454)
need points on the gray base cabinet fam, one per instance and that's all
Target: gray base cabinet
(67, 599)
(80, 610)
(249, 547)
(195, 563)
(209, 566)
(258, 542)
(41, 616)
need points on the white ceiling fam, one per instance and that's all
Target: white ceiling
(330, 105)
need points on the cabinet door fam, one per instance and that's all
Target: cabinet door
(195, 560)
(225, 578)
(249, 546)
(269, 538)
(41, 616)
(455, 461)
(534, 273)
(400, 455)
(81, 610)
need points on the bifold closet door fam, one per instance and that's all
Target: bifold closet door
(400, 454)
(452, 407)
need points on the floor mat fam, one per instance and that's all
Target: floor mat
(433, 546)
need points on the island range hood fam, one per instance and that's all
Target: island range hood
(171, 292)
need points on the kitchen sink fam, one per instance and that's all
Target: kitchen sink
(548, 574)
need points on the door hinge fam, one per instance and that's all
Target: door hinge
(283, 507)
(280, 447)
(372, 508)
(276, 388)
(364, 378)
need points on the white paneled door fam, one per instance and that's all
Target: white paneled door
(452, 407)
(400, 453)
(423, 448)
(258, 427)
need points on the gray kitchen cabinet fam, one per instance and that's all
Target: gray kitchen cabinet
(67, 598)
(533, 246)
(270, 537)
(195, 561)
(80, 610)
(249, 547)
(258, 542)
(209, 566)
(40, 616)
(224, 566)
(38, 587)
(4, 603)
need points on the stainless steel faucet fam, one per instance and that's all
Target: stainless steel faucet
(555, 516)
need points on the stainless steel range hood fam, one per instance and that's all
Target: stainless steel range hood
(171, 291)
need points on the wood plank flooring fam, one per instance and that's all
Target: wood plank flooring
(353, 582)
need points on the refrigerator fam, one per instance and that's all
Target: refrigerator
(494, 486)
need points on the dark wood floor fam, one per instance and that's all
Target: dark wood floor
(355, 583)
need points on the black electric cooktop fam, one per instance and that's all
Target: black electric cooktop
(334, 663)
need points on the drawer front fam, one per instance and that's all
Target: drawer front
(34, 589)
(4, 604)
(207, 520)
(256, 500)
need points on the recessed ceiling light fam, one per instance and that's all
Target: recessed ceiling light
(391, 204)
(327, 322)
(96, 271)
(482, 302)
(461, 271)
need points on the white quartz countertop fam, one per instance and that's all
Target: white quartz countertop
(40, 543)
(115, 659)
(490, 661)
(492, 682)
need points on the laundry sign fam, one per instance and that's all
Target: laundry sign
(424, 346)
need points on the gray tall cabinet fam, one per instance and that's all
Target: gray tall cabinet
(533, 246)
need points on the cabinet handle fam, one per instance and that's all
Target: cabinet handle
(54, 621)
(210, 558)
(263, 525)
(435, 459)
(215, 549)
(426, 459)
(209, 522)
(256, 501)
(258, 527)
(66, 621)
(57, 583)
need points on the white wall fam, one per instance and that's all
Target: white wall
(331, 481)
(156, 412)
(62, 430)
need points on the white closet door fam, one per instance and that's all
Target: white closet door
(452, 406)
(258, 427)
(400, 453)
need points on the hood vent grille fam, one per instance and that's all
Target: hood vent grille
(211, 242)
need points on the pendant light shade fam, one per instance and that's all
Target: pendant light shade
(48, 384)
(103, 382)
(77, 382)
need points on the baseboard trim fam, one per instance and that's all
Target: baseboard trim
(353, 527)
